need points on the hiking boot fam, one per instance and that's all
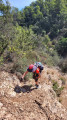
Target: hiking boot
(38, 86)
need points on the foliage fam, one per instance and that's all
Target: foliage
(31, 34)
(52, 58)
(63, 65)
(57, 89)
(63, 80)
(61, 46)
(49, 16)
(1, 60)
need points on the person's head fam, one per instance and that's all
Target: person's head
(32, 68)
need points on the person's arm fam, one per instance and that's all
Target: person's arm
(24, 74)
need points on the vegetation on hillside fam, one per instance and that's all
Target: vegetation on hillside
(36, 33)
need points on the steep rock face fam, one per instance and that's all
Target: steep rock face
(50, 105)
(19, 101)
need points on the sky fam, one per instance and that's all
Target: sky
(20, 3)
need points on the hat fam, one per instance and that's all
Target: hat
(34, 68)
(31, 66)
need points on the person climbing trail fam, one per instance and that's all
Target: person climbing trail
(36, 69)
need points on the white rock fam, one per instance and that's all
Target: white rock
(1, 104)
(8, 115)
(12, 93)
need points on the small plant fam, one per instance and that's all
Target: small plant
(1, 60)
(60, 100)
(52, 73)
(48, 72)
(55, 86)
(63, 80)
(63, 65)
(57, 89)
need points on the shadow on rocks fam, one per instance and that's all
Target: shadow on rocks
(25, 88)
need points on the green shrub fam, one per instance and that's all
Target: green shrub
(60, 100)
(61, 46)
(63, 80)
(55, 85)
(63, 65)
(32, 55)
(52, 59)
(1, 60)
(57, 89)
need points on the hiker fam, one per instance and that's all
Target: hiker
(36, 69)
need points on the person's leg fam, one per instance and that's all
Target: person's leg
(35, 77)
(36, 83)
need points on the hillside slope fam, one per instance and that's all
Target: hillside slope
(22, 101)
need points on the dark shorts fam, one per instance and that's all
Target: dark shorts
(35, 77)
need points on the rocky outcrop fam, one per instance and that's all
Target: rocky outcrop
(19, 101)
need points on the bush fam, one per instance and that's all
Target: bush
(32, 55)
(57, 89)
(1, 60)
(20, 65)
(52, 58)
(63, 65)
(55, 86)
(61, 46)
(63, 80)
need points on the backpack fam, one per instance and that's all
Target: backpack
(39, 65)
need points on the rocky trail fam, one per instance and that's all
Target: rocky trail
(22, 101)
